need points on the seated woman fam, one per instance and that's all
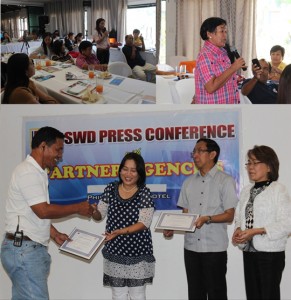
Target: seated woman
(276, 65)
(78, 39)
(55, 35)
(45, 49)
(6, 38)
(70, 42)
(19, 88)
(86, 57)
(59, 52)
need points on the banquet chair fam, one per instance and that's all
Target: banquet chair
(120, 68)
(174, 61)
(190, 65)
(185, 89)
(116, 54)
(164, 68)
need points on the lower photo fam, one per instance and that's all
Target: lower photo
(145, 202)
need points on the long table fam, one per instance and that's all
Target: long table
(129, 91)
(169, 90)
(19, 47)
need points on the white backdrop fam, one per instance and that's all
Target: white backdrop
(71, 278)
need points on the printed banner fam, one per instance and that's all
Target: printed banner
(96, 144)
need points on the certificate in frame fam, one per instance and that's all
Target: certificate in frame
(177, 221)
(83, 244)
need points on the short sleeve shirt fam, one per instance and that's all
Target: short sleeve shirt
(124, 213)
(28, 186)
(213, 61)
(263, 93)
(211, 194)
(82, 60)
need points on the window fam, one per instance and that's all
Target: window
(22, 26)
(143, 17)
(273, 27)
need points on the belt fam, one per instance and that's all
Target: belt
(10, 236)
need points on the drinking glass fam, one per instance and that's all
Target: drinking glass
(91, 70)
(37, 64)
(99, 85)
(177, 71)
(183, 70)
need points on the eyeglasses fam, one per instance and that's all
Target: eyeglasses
(199, 151)
(252, 163)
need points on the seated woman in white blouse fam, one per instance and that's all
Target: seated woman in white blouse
(45, 49)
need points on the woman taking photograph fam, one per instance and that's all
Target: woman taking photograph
(129, 263)
(45, 49)
(215, 76)
(19, 88)
(101, 38)
(262, 225)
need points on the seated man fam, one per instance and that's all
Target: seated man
(258, 89)
(134, 59)
(86, 57)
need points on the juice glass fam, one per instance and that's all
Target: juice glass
(91, 70)
(37, 64)
(99, 85)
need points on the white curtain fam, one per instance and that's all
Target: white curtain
(240, 17)
(113, 12)
(73, 16)
(241, 25)
(9, 23)
(158, 28)
(190, 15)
(66, 16)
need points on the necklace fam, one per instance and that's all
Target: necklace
(127, 191)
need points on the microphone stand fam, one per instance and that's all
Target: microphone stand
(25, 42)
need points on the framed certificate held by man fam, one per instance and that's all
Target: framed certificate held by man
(82, 243)
(177, 221)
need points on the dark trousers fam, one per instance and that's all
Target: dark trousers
(206, 275)
(103, 56)
(263, 273)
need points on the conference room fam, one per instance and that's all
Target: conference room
(250, 34)
(171, 33)
(177, 43)
(119, 81)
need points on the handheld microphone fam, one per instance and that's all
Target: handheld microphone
(236, 55)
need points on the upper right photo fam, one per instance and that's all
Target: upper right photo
(224, 52)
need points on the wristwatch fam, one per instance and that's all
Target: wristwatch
(209, 220)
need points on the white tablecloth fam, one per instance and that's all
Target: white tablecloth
(19, 47)
(170, 90)
(181, 92)
(130, 91)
